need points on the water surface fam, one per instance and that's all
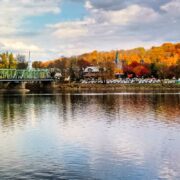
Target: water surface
(101, 136)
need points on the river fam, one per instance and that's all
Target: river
(102, 136)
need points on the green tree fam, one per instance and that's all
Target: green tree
(12, 61)
(22, 65)
(154, 70)
(4, 59)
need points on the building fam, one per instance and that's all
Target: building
(91, 72)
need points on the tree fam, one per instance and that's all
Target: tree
(153, 70)
(4, 59)
(141, 71)
(83, 63)
(22, 65)
(174, 71)
(12, 61)
(21, 58)
(37, 64)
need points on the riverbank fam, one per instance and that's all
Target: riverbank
(78, 87)
(117, 87)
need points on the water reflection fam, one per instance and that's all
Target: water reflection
(164, 107)
(97, 136)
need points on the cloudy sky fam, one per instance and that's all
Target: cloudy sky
(55, 28)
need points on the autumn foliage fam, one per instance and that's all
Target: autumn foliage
(137, 69)
(162, 61)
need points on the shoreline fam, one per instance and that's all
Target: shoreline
(117, 87)
(78, 87)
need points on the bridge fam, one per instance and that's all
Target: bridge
(11, 75)
(17, 78)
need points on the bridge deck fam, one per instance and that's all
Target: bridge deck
(26, 80)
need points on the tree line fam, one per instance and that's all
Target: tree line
(9, 61)
(160, 62)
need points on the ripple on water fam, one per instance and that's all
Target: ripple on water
(90, 136)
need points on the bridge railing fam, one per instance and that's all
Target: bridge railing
(13, 74)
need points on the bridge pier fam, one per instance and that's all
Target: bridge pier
(17, 86)
(13, 86)
(4, 85)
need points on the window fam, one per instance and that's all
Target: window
(90, 70)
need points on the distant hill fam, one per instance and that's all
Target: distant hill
(168, 54)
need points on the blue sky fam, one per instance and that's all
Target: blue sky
(70, 10)
(54, 28)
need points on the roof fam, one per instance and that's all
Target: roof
(92, 69)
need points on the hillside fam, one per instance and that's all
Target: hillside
(162, 61)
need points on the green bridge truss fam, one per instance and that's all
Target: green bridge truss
(25, 74)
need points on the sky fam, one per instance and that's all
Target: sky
(54, 28)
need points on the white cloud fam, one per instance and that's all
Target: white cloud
(102, 19)
(72, 29)
(102, 30)
(13, 16)
(172, 7)
(110, 24)
(13, 13)
(88, 5)
(131, 14)
(18, 46)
